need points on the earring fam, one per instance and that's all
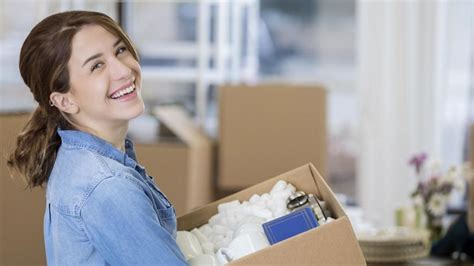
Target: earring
(51, 103)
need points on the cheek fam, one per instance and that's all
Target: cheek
(95, 90)
(134, 65)
(90, 90)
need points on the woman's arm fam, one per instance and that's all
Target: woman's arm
(122, 224)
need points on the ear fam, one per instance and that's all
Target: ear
(64, 102)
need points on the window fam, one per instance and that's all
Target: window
(16, 20)
(313, 41)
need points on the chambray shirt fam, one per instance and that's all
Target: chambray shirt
(103, 209)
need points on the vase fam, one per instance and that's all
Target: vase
(434, 225)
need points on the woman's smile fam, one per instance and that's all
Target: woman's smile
(124, 91)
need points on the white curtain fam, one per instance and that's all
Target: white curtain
(413, 84)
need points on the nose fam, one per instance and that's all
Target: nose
(119, 70)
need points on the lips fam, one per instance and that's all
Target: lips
(123, 90)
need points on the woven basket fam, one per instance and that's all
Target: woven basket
(398, 244)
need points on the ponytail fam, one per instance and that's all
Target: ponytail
(36, 148)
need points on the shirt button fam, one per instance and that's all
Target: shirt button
(130, 162)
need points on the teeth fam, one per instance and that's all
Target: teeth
(123, 92)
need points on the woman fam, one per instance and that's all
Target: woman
(101, 206)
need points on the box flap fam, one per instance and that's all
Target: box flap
(177, 120)
(326, 193)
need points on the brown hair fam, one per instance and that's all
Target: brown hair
(44, 61)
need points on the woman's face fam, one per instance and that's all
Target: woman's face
(105, 79)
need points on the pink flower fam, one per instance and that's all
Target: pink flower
(418, 161)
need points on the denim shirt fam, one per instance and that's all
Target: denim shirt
(103, 209)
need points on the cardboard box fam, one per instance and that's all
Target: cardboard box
(181, 167)
(21, 209)
(330, 244)
(265, 130)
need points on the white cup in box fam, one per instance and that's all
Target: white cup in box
(241, 246)
(248, 228)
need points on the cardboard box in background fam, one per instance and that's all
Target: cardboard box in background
(21, 209)
(330, 244)
(266, 129)
(183, 167)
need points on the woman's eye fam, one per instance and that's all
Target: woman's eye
(121, 50)
(96, 66)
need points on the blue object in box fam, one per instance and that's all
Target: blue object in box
(290, 225)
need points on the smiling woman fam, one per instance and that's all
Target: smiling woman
(101, 206)
(103, 94)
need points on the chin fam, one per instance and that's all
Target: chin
(130, 112)
(136, 110)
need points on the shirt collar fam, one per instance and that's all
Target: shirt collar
(86, 140)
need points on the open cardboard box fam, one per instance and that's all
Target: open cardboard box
(332, 243)
(181, 167)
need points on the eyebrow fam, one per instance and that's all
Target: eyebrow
(100, 54)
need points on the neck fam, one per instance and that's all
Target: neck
(117, 137)
(112, 134)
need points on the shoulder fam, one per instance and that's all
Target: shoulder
(120, 187)
(79, 159)
(116, 196)
(76, 174)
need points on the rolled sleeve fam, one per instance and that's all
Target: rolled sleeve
(122, 223)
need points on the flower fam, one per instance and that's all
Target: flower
(435, 187)
(450, 176)
(437, 205)
(418, 161)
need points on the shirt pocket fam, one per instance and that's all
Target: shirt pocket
(166, 211)
(167, 218)
(163, 199)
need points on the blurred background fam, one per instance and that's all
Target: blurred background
(398, 78)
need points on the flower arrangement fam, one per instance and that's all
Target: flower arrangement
(434, 188)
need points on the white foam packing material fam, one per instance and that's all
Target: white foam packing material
(258, 209)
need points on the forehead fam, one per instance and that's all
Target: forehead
(90, 40)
